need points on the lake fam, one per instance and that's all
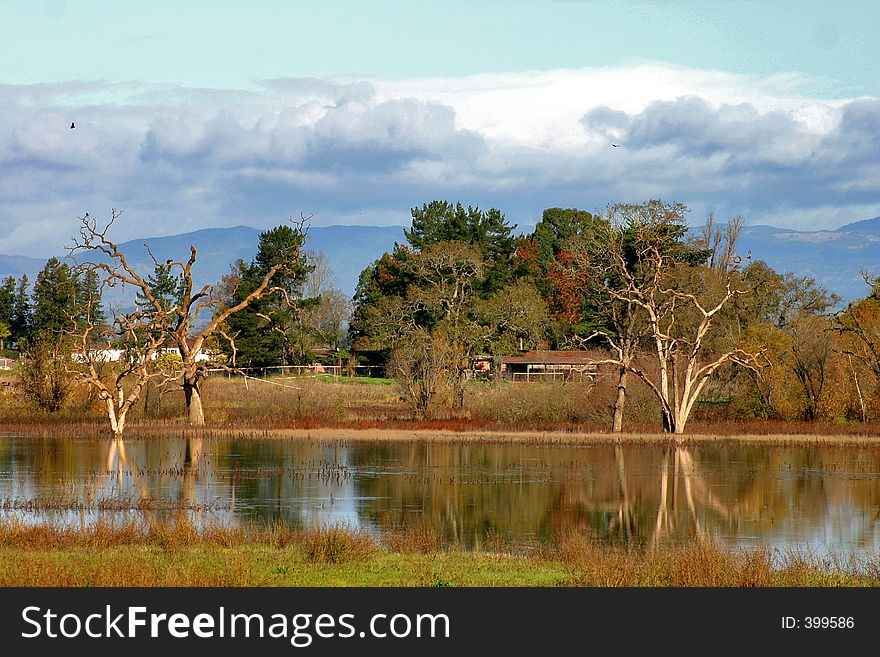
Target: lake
(814, 497)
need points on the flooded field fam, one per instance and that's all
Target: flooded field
(816, 497)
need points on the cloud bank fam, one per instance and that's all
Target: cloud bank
(366, 150)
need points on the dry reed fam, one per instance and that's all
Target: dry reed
(180, 553)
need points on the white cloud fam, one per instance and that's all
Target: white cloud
(366, 150)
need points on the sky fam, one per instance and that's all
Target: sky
(203, 114)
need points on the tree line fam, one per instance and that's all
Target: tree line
(53, 307)
(259, 314)
(680, 311)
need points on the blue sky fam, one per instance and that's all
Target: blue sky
(195, 114)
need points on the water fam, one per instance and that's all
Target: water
(819, 498)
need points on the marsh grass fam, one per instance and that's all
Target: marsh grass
(335, 544)
(180, 553)
(290, 403)
(418, 539)
(121, 503)
(705, 564)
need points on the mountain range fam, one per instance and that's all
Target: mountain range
(348, 250)
(834, 258)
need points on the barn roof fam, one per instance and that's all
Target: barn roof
(552, 357)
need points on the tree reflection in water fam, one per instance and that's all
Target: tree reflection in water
(467, 491)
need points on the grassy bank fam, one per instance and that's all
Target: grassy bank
(178, 554)
(298, 407)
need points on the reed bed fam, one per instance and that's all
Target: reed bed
(179, 553)
(118, 503)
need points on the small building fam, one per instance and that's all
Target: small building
(6, 363)
(550, 365)
(481, 367)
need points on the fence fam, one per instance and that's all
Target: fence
(551, 375)
(301, 371)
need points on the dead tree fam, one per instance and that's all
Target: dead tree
(447, 273)
(118, 360)
(858, 326)
(183, 319)
(642, 250)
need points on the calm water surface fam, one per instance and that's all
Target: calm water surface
(807, 497)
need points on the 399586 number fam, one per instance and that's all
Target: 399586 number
(818, 622)
(828, 622)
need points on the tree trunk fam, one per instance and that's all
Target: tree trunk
(194, 403)
(617, 416)
(147, 400)
(858, 390)
(117, 425)
(669, 423)
(458, 390)
(679, 425)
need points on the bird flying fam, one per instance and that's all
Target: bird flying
(72, 126)
(616, 145)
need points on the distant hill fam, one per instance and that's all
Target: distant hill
(12, 265)
(834, 258)
(869, 225)
(348, 250)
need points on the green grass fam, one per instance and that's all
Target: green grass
(178, 554)
(356, 380)
(141, 565)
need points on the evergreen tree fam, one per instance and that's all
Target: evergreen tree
(7, 300)
(21, 324)
(89, 297)
(265, 331)
(55, 299)
(562, 230)
(391, 278)
(165, 287)
(387, 278)
(441, 221)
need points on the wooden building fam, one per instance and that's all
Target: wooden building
(548, 365)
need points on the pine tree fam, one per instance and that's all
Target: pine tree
(21, 324)
(263, 331)
(165, 287)
(441, 221)
(55, 299)
(4, 334)
(89, 303)
(7, 300)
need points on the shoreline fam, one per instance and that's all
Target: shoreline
(509, 436)
(485, 436)
(554, 437)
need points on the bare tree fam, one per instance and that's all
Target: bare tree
(624, 328)
(326, 319)
(185, 325)
(447, 273)
(419, 364)
(137, 339)
(812, 346)
(593, 264)
(721, 243)
(320, 276)
(643, 251)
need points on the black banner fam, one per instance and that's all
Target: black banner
(327, 621)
